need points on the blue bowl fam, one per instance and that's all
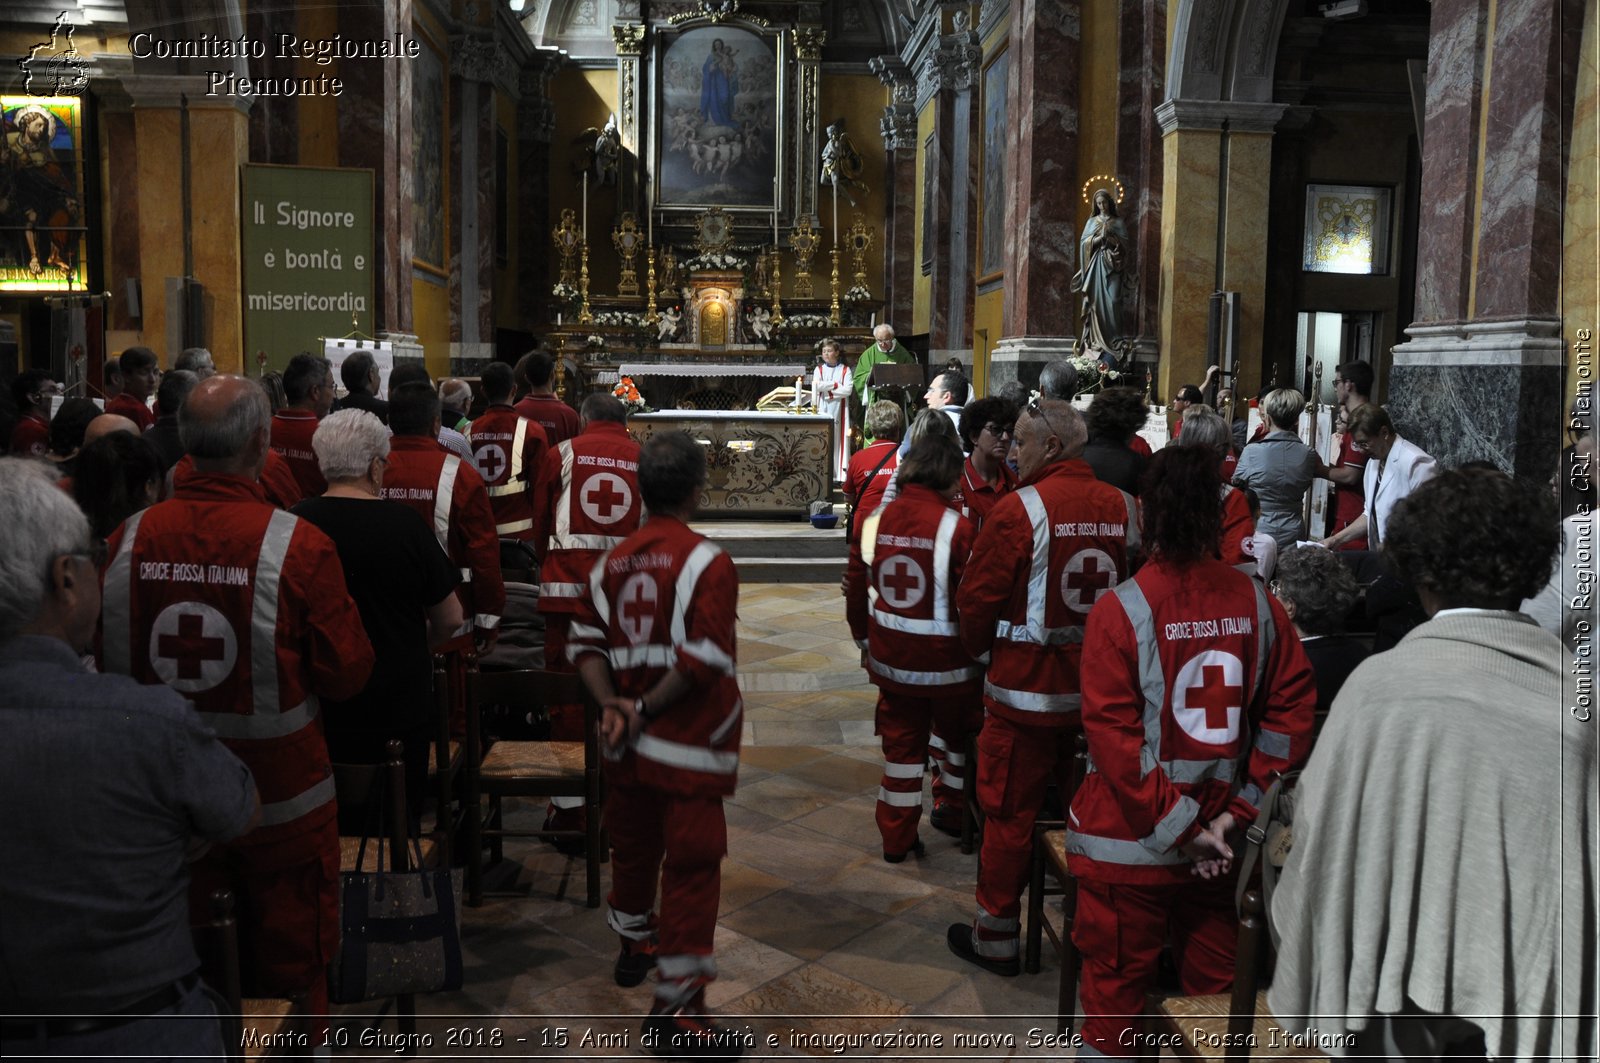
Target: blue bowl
(825, 521)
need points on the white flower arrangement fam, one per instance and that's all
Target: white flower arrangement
(713, 260)
(1093, 374)
(619, 319)
(794, 322)
(595, 340)
(565, 293)
(858, 294)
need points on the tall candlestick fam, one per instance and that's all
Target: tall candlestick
(652, 227)
(586, 210)
(835, 211)
(774, 231)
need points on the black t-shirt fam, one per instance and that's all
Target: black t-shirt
(395, 570)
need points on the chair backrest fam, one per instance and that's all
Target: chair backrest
(527, 689)
(1246, 978)
(217, 943)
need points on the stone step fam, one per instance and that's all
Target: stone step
(775, 539)
(789, 569)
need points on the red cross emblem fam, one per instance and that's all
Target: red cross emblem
(606, 498)
(1208, 697)
(192, 647)
(490, 459)
(901, 582)
(1088, 575)
(636, 607)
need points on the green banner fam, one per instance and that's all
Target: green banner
(308, 252)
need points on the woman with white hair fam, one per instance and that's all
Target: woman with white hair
(404, 585)
(1279, 468)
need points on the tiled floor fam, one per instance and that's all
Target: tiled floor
(818, 938)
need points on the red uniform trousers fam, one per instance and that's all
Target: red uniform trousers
(680, 841)
(1119, 931)
(903, 722)
(286, 901)
(949, 767)
(1015, 765)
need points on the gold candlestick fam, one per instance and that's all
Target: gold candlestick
(833, 307)
(650, 315)
(777, 289)
(584, 317)
(561, 365)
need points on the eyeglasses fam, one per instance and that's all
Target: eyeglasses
(999, 431)
(1357, 443)
(1276, 588)
(1037, 410)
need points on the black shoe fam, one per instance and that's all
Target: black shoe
(565, 819)
(947, 818)
(634, 962)
(682, 1034)
(959, 938)
(898, 858)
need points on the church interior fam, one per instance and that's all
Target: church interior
(681, 200)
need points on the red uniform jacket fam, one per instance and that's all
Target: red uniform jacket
(449, 494)
(592, 493)
(902, 596)
(1349, 500)
(133, 409)
(291, 438)
(666, 598)
(242, 609)
(508, 450)
(31, 437)
(865, 496)
(1200, 691)
(277, 479)
(1046, 554)
(1237, 526)
(978, 496)
(559, 421)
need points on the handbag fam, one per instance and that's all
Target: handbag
(399, 932)
(1270, 838)
(850, 517)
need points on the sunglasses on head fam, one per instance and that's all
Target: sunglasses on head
(1035, 409)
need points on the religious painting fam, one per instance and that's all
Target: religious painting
(992, 216)
(927, 205)
(720, 94)
(429, 161)
(44, 236)
(1347, 229)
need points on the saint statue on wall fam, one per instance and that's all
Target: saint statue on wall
(841, 162)
(1102, 263)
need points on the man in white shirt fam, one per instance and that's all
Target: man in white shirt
(948, 393)
(1395, 468)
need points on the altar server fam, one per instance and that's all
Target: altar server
(830, 394)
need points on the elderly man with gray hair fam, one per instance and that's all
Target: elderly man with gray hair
(886, 350)
(109, 786)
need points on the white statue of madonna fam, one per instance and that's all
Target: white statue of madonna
(831, 385)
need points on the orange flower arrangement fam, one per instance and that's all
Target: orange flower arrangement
(628, 392)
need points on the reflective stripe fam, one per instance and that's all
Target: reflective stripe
(952, 778)
(902, 771)
(936, 742)
(519, 440)
(648, 656)
(563, 518)
(912, 799)
(678, 755)
(913, 626)
(954, 759)
(260, 725)
(502, 490)
(487, 621)
(1273, 743)
(996, 948)
(466, 574)
(585, 542)
(118, 602)
(941, 565)
(728, 721)
(1152, 681)
(602, 604)
(1132, 535)
(1182, 771)
(1251, 795)
(561, 590)
(709, 653)
(292, 809)
(1028, 701)
(686, 966)
(696, 563)
(994, 922)
(584, 631)
(923, 679)
(1118, 851)
(1036, 634)
(264, 613)
(1039, 567)
(1265, 634)
(632, 927)
(514, 526)
(441, 499)
(1174, 823)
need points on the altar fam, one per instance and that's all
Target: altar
(758, 463)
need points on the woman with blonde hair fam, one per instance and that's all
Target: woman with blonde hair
(1279, 468)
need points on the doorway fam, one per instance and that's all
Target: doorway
(1326, 340)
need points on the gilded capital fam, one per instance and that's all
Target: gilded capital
(629, 37)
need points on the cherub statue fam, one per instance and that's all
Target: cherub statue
(668, 324)
(841, 162)
(760, 322)
(599, 151)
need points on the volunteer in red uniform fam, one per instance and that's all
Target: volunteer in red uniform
(654, 642)
(139, 375)
(308, 389)
(539, 402)
(1209, 433)
(1047, 553)
(1353, 388)
(912, 556)
(592, 494)
(242, 608)
(1199, 694)
(870, 468)
(986, 428)
(31, 391)
(449, 494)
(509, 450)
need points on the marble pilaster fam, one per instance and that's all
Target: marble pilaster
(472, 203)
(1023, 357)
(808, 43)
(1141, 86)
(1191, 166)
(951, 71)
(1456, 35)
(629, 40)
(535, 125)
(1041, 204)
(274, 133)
(1482, 391)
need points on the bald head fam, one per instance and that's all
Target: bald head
(106, 424)
(1047, 432)
(225, 423)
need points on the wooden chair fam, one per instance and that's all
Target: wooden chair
(1050, 851)
(1198, 1027)
(252, 1027)
(528, 769)
(445, 758)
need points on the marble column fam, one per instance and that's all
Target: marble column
(474, 58)
(536, 123)
(808, 42)
(1141, 83)
(629, 40)
(1480, 378)
(899, 129)
(951, 71)
(1042, 202)
(1217, 164)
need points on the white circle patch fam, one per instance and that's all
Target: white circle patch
(192, 647)
(1089, 574)
(490, 460)
(901, 582)
(605, 498)
(1208, 697)
(636, 607)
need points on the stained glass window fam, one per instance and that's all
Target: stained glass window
(1347, 229)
